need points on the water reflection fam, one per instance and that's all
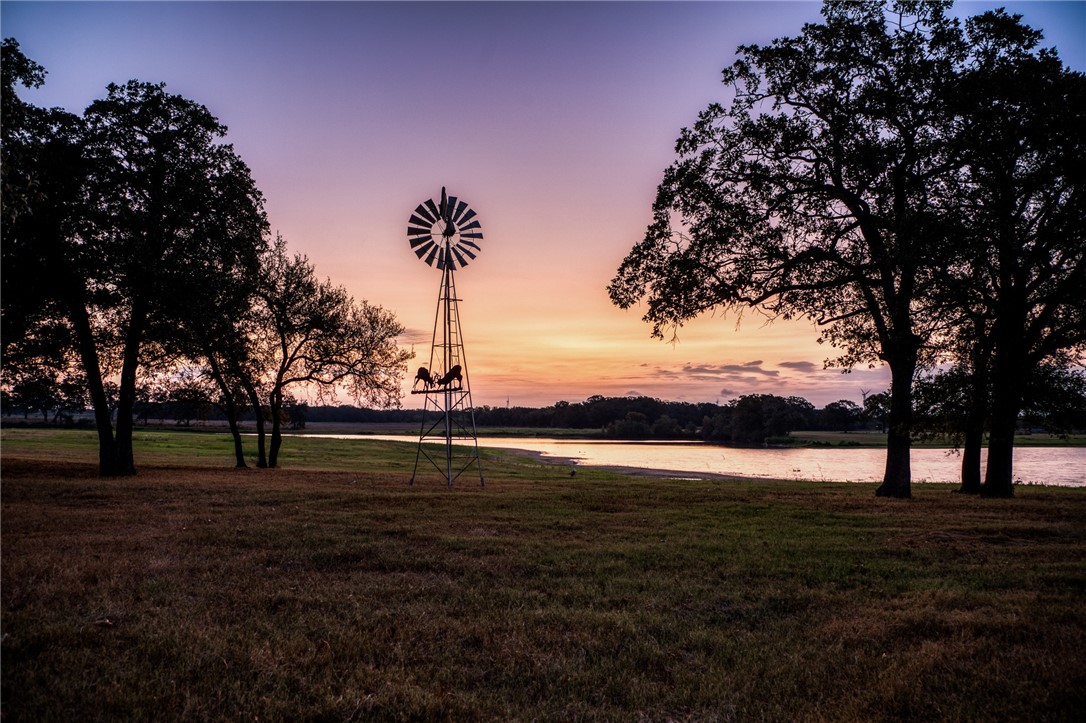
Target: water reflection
(1064, 466)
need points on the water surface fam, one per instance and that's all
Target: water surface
(1064, 466)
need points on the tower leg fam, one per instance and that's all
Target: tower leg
(452, 404)
(448, 439)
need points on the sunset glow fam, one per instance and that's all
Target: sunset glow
(554, 121)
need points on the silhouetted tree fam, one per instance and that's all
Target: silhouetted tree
(21, 132)
(943, 402)
(635, 425)
(876, 409)
(811, 194)
(754, 418)
(1056, 399)
(219, 334)
(1022, 199)
(173, 207)
(842, 415)
(131, 214)
(319, 336)
(46, 299)
(296, 413)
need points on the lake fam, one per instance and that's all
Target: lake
(1064, 466)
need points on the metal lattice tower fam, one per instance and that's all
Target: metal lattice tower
(446, 235)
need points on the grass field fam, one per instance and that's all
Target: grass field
(330, 590)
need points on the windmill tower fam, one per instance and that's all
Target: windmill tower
(446, 235)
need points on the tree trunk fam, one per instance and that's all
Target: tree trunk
(254, 401)
(897, 478)
(276, 406)
(235, 432)
(1010, 367)
(1010, 374)
(999, 475)
(88, 356)
(126, 395)
(974, 428)
(971, 454)
(230, 409)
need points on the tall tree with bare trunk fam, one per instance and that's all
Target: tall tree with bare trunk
(812, 195)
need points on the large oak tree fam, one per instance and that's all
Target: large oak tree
(1020, 199)
(811, 194)
(913, 186)
(129, 218)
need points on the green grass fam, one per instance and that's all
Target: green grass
(330, 590)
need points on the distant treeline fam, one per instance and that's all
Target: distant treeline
(751, 419)
(754, 419)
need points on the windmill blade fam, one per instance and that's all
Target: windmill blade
(432, 255)
(419, 241)
(420, 221)
(460, 208)
(433, 209)
(416, 231)
(468, 216)
(472, 234)
(466, 252)
(421, 211)
(461, 259)
(469, 243)
(427, 244)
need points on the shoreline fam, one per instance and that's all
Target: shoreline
(672, 474)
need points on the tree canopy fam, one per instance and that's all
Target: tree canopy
(135, 242)
(836, 186)
(315, 334)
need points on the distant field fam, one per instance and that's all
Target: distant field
(330, 590)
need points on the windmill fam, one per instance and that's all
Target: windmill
(446, 235)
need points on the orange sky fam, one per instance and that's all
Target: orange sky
(539, 327)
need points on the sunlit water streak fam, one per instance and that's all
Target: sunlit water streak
(1064, 466)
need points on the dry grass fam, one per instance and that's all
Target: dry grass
(213, 594)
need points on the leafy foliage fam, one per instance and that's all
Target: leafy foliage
(135, 250)
(912, 186)
(314, 333)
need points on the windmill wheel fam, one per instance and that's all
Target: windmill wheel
(445, 233)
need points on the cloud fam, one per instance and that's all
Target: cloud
(707, 372)
(691, 369)
(415, 336)
(800, 366)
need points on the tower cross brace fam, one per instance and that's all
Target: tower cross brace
(448, 415)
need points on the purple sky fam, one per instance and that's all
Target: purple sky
(554, 121)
